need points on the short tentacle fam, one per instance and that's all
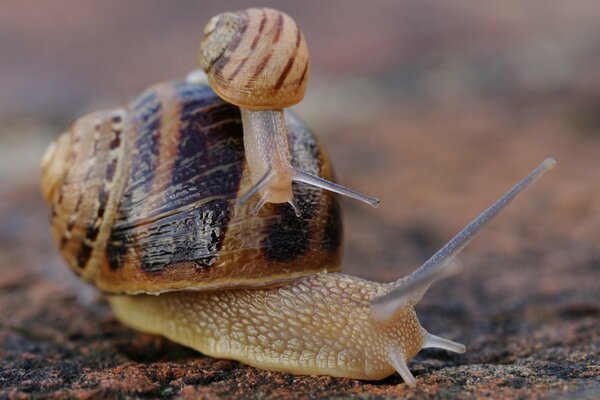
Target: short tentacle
(301, 176)
(261, 184)
(436, 342)
(292, 202)
(396, 358)
(264, 199)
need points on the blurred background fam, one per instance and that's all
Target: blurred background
(435, 107)
(426, 104)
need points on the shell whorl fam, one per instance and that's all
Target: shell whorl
(256, 58)
(148, 201)
(81, 180)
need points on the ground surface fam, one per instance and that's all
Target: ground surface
(435, 146)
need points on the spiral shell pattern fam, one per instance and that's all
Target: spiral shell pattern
(143, 199)
(256, 58)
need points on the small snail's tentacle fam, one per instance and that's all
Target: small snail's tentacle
(436, 342)
(413, 287)
(260, 185)
(305, 177)
(396, 358)
(264, 199)
(292, 202)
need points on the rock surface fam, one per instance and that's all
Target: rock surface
(526, 302)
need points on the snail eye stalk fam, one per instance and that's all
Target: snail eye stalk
(412, 288)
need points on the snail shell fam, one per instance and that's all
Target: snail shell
(256, 58)
(143, 199)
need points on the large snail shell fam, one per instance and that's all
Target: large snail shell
(256, 58)
(143, 199)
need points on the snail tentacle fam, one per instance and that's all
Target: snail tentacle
(414, 286)
(292, 202)
(436, 342)
(264, 199)
(396, 358)
(260, 185)
(305, 177)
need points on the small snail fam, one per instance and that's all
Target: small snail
(258, 60)
(144, 205)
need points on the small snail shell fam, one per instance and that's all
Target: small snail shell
(258, 60)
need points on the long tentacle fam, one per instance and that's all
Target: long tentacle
(413, 287)
(302, 176)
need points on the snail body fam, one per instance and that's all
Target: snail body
(258, 60)
(319, 324)
(143, 202)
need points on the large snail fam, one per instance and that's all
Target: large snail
(144, 205)
(257, 59)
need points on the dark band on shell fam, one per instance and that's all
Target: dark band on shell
(163, 187)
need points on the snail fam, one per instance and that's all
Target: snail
(257, 59)
(144, 204)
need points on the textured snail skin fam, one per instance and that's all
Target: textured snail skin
(320, 324)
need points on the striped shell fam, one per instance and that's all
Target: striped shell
(143, 199)
(256, 58)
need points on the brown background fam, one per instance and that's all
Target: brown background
(435, 107)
